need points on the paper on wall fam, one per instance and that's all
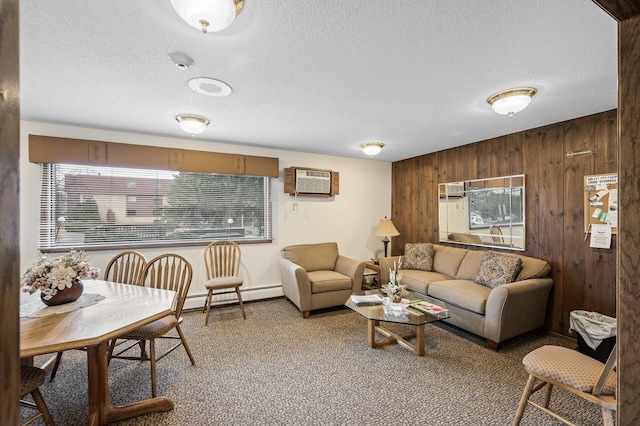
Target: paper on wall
(612, 218)
(600, 236)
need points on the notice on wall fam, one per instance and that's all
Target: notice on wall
(601, 202)
(600, 236)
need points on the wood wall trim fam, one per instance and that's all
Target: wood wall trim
(628, 262)
(10, 217)
(49, 149)
(620, 9)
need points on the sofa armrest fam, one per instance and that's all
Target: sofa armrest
(386, 264)
(353, 269)
(516, 308)
(295, 284)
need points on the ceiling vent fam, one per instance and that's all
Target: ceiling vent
(209, 86)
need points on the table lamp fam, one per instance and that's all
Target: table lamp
(386, 230)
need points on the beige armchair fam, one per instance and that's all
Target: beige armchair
(315, 276)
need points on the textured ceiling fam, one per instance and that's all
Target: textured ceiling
(320, 76)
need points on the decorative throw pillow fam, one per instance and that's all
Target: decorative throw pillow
(418, 256)
(496, 269)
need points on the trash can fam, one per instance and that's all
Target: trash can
(596, 333)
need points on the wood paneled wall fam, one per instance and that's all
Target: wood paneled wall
(584, 278)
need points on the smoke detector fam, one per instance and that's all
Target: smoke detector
(181, 60)
(209, 86)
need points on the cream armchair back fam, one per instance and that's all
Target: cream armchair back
(316, 276)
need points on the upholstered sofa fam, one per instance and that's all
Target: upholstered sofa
(494, 295)
(316, 276)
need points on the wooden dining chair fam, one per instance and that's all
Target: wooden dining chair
(126, 267)
(168, 272)
(496, 234)
(31, 378)
(572, 371)
(222, 259)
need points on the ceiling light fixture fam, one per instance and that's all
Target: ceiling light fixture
(371, 148)
(192, 124)
(511, 101)
(208, 15)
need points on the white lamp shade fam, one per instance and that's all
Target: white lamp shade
(371, 148)
(511, 101)
(192, 124)
(386, 229)
(218, 14)
(511, 104)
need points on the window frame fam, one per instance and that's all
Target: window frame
(49, 225)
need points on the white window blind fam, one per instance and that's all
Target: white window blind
(91, 206)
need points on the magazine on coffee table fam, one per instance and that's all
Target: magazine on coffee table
(366, 300)
(427, 307)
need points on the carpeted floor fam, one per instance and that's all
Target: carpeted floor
(275, 368)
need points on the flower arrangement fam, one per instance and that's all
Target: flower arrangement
(52, 275)
(394, 288)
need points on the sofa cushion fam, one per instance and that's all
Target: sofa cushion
(446, 260)
(533, 268)
(323, 281)
(496, 269)
(470, 265)
(313, 257)
(419, 281)
(462, 293)
(418, 256)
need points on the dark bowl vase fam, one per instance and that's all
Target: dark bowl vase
(67, 295)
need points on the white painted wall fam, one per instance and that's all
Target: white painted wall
(349, 218)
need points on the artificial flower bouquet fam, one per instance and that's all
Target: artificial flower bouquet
(394, 287)
(52, 275)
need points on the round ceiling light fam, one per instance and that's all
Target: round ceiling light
(208, 15)
(371, 148)
(209, 86)
(192, 124)
(511, 101)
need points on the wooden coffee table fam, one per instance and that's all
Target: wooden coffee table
(376, 315)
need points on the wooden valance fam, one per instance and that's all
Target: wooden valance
(49, 149)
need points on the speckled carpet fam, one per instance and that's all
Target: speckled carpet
(276, 368)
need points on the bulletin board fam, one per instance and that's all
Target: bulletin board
(601, 201)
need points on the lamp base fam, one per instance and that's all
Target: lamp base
(385, 241)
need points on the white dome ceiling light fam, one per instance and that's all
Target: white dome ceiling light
(209, 86)
(511, 101)
(371, 148)
(192, 124)
(208, 15)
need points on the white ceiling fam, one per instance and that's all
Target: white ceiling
(320, 76)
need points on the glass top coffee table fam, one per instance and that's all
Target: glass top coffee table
(412, 315)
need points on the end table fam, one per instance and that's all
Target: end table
(374, 268)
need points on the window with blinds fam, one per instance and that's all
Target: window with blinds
(91, 206)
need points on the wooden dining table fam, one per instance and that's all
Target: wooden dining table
(124, 308)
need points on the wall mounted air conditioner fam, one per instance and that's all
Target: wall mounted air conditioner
(313, 182)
